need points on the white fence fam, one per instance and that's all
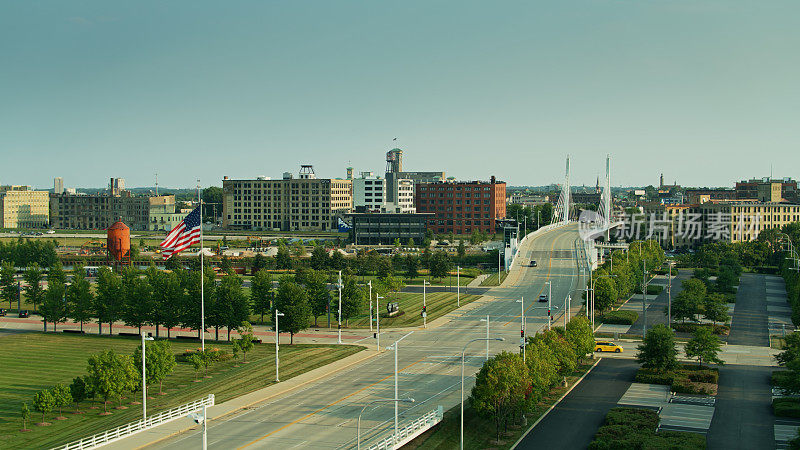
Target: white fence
(410, 431)
(132, 428)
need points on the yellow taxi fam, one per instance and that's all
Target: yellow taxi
(605, 346)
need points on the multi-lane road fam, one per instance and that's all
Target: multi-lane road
(323, 414)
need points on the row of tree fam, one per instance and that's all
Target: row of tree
(24, 252)
(508, 386)
(110, 375)
(622, 273)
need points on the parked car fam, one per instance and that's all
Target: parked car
(606, 346)
(533, 263)
(543, 298)
(24, 313)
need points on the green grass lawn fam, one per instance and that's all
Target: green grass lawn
(491, 280)
(439, 304)
(34, 361)
(479, 432)
(464, 279)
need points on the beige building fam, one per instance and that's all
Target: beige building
(22, 207)
(306, 203)
(688, 225)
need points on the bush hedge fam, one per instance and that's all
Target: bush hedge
(683, 385)
(634, 429)
(779, 377)
(786, 407)
(649, 376)
(691, 327)
(620, 317)
(652, 289)
(683, 380)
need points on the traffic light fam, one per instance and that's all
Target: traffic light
(424, 310)
(522, 333)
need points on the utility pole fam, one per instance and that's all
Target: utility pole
(458, 286)
(277, 345)
(340, 307)
(369, 283)
(669, 296)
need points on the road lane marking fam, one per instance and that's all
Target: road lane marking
(549, 269)
(326, 406)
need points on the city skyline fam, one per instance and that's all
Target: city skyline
(206, 92)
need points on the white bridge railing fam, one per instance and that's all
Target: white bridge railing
(410, 431)
(129, 429)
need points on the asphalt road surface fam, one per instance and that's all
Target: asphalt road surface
(323, 414)
(573, 423)
(743, 416)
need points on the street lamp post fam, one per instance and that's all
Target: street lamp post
(458, 286)
(424, 305)
(378, 299)
(340, 307)
(549, 305)
(396, 381)
(644, 297)
(277, 345)
(358, 426)
(669, 295)
(463, 352)
(144, 377)
(369, 283)
(521, 302)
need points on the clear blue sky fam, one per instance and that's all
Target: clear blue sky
(706, 91)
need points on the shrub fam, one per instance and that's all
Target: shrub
(635, 429)
(640, 419)
(786, 407)
(691, 327)
(654, 289)
(779, 377)
(649, 376)
(682, 385)
(620, 317)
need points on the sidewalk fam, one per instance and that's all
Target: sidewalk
(247, 401)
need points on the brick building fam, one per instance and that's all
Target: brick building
(462, 207)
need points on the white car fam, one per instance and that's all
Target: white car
(51, 231)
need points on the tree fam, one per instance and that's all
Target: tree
(212, 196)
(383, 267)
(566, 359)
(704, 346)
(107, 375)
(25, 414)
(108, 301)
(412, 266)
(197, 362)
(261, 292)
(658, 349)
(440, 264)
(137, 297)
(580, 336)
(80, 297)
(33, 284)
(78, 391)
(258, 263)
(232, 302)
(461, 248)
(410, 243)
(62, 397)
(282, 259)
(319, 296)
(159, 362)
(292, 300)
(8, 286)
(43, 402)
(715, 309)
(167, 299)
(319, 258)
(352, 298)
(501, 386)
(56, 273)
(54, 307)
(225, 264)
(246, 338)
(605, 293)
(337, 260)
(542, 367)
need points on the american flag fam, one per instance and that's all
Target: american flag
(183, 235)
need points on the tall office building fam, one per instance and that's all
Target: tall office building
(306, 203)
(116, 186)
(394, 173)
(58, 185)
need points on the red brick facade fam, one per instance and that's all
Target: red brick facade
(462, 207)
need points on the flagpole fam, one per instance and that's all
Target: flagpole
(202, 275)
